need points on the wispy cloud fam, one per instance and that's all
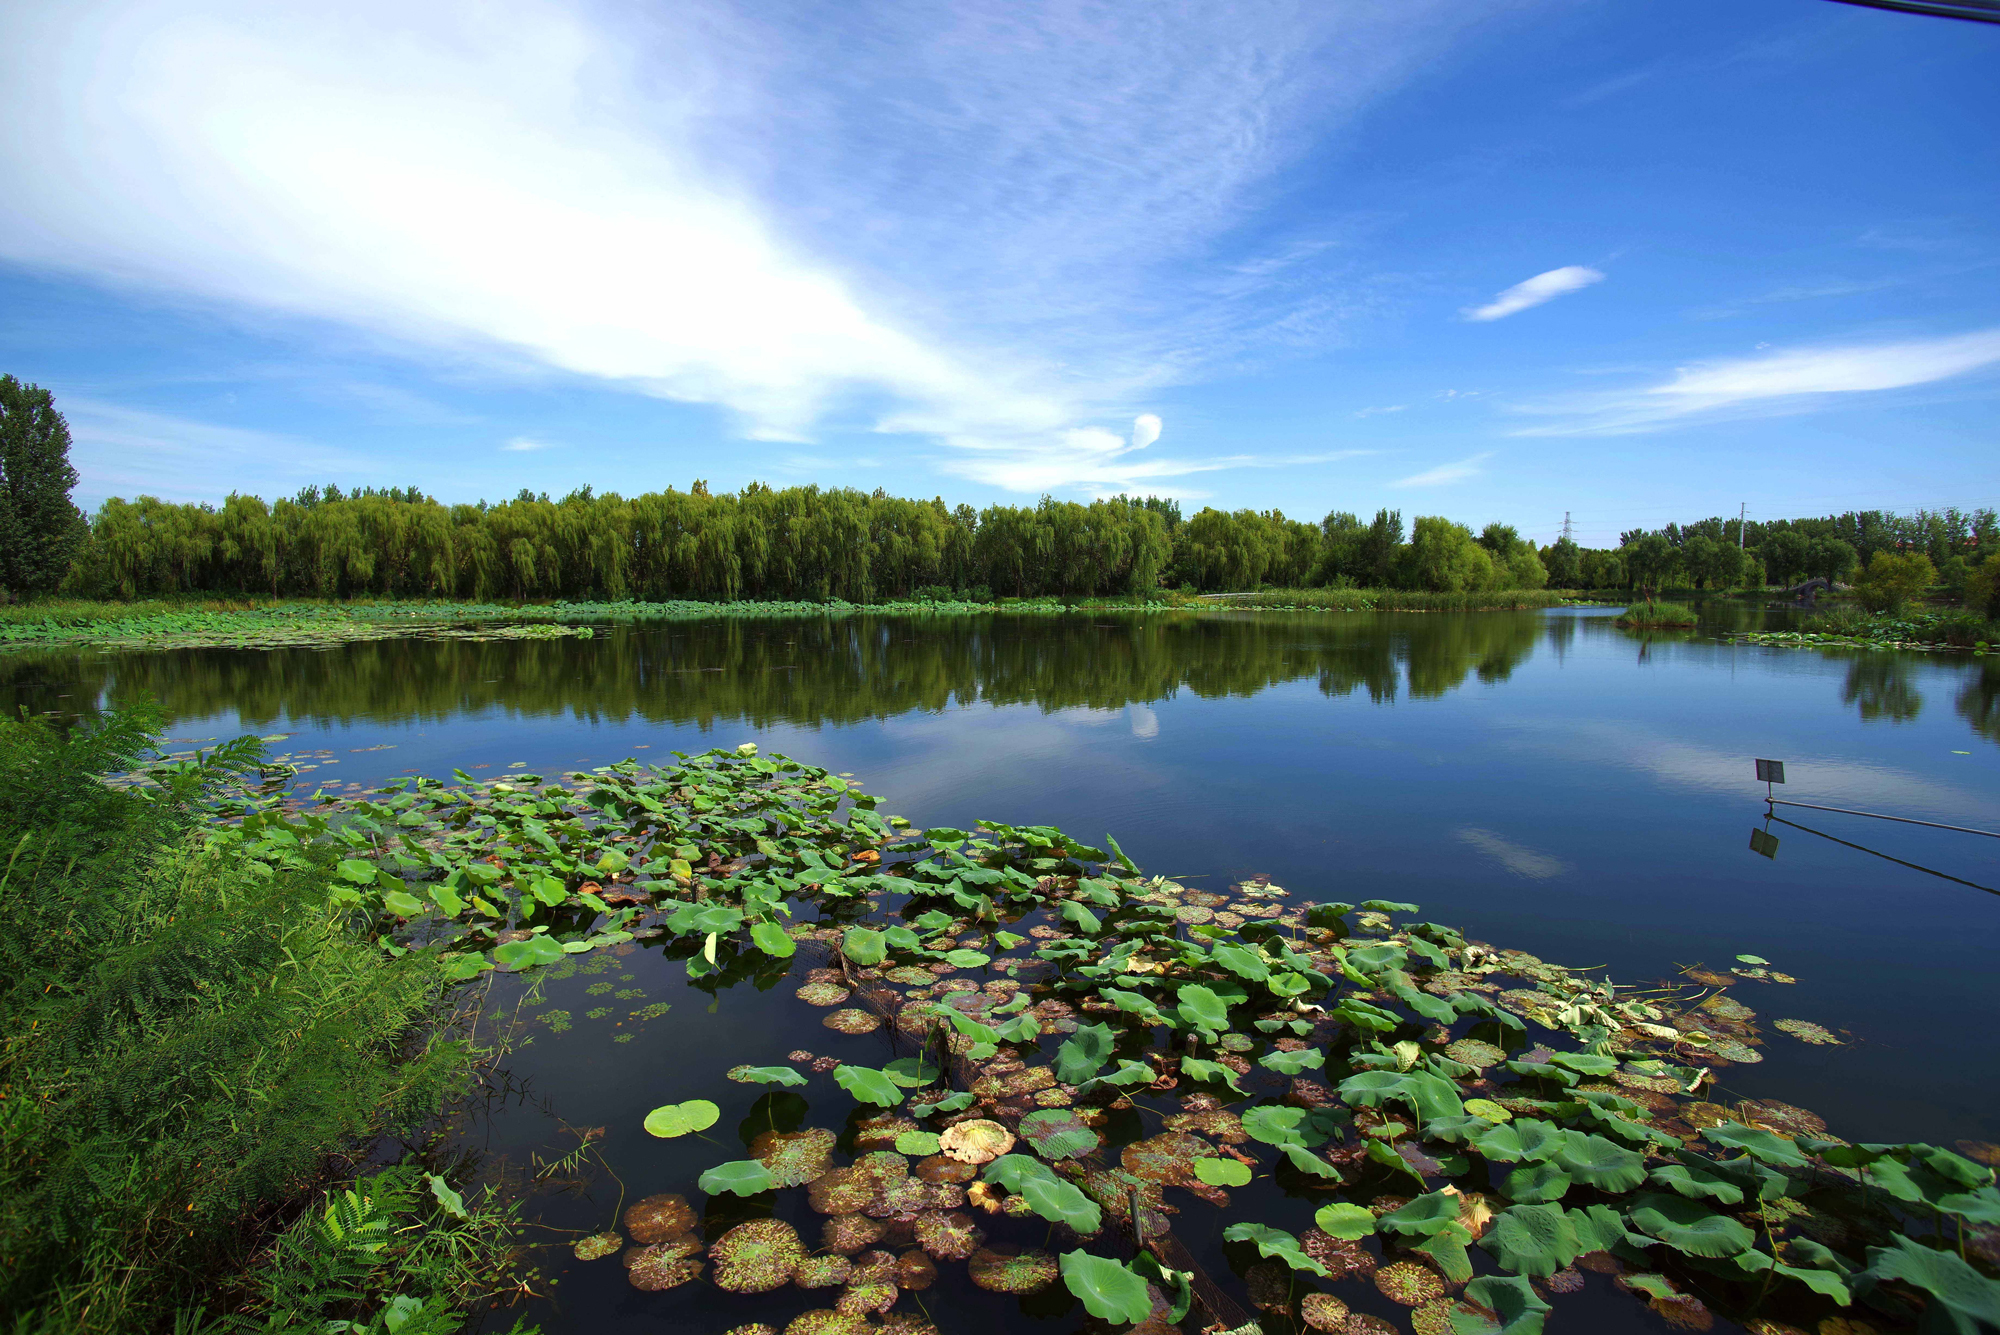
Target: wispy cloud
(1784, 382)
(523, 444)
(1377, 412)
(1524, 862)
(1100, 461)
(1796, 292)
(945, 223)
(122, 451)
(1444, 473)
(1534, 291)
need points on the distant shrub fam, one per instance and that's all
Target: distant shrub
(1658, 614)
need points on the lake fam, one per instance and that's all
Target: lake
(1543, 781)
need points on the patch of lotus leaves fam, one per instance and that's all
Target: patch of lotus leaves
(882, 1165)
(867, 1299)
(1807, 1032)
(903, 1198)
(794, 1157)
(1707, 977)
(754, 1328)
(852, 1021)
(1785, 1118)
(657, 1218)
(826, 1321)
(1408, 1283)
(909, 976)
(1729, 1050)
(822, 994)
(842, 1191)
(1167, 1158)
(850, 1233)
(1058, 1135)
(597, 1245)
(944, 1168)
(757, 1257)
(906, 1323)
(915, 1271)
(948, 1235)
(1434, 1317)
(1475, 1053)
(822, 1272)
(1194, 913)
(977, 1141)
(1270, 1286)
(1341, 1258)
(882, 1131)
(1323, 1312)
(663, 1266)
(1728, 1008)
(1236, 1043)
(1658, 1084)
(1217, 1124)
(1004, 1269)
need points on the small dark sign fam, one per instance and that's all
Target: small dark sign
(1763, 841)
(1770, 771)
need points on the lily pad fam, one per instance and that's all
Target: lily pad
(977, 1141)
(1222, 1172)
(852, 1021)
(1807, 1032)
(1058, 1134)
(794, 1158)
(1409, 1283)
(1004, 1269)
(1167, 1158)
(822, 994)
(657, 1218)
(757, 1257)
(1323, 1312)
(1475, 1053)
(948, 1235)
(681, 1119)
(597, 1245)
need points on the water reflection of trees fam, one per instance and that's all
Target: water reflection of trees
(1979, 702)
(805, 671)
(1882, 686)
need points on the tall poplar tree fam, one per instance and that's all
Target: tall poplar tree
(40, 529)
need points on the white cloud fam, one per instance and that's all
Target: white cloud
(522, 444)
(1444, 473)
(1377, 412)
(1534, 291)
(1786, 381)
(1525, 862)
(943, 221)
(124, 452)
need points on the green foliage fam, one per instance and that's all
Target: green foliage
(1106, 1289)
(40, 530)
(1894, 579)
(1658, 614)
(190, 1035)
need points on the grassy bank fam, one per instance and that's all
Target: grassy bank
(1389, 600)
(195, 1042)
(1848, 625)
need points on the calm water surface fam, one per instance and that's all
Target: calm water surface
(1545, 781)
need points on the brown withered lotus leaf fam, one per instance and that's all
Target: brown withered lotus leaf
(1658, 1084)
(880, 1133)
(1757, 1325)
(1310, 1094)
(799, 1055)
(851, 1021)
(977, 1141)
(596, 1246)
(841, 1191)
(1382, 1205)
(826, 1321)
(1270, 1286)
(900, 1198)
(1683, 1311)
(1167, 1158)
(1342, 1259)
(917, 1019)
(1566, 1280)
(1228, 918)
(915, 1271)
(850, 1233)
(794, 1157)
(909, 976)
(1808, 1032)
(867, 1299)
(1475, 1053)
(1979, 1151)
(823, 1272)
(1434, 1317)
(824, 976)
(754, 1328)
(875, 1267)
(822, 1065)
(757, 1257)
(1701, 1116)
(906, 1323)
(1408, 1283)
(1004, 1269)
(957, 985)
(944, 1168)
(1236, 1042)
(1194, 913)
(1056, 1096)
(1360, 1323)
(1112, 1191)
(657, 1269)
(949, 1236)
(1707, 977)
(1783, 1117)
(822, 994)
(1600, 1263)
(1323, 1312)
(986, 1196)
(673, 1249)
(657, 1218)
(882, 1165)
(1729, 1050)
(1728, 1009)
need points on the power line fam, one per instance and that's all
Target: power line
(1975, 11)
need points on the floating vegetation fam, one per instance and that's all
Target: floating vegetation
(852, 1021)
(1468, 1128)
(596, 1246)
(1807, 1032)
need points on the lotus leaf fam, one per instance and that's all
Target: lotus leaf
(1222, 1172)
(681, 1119)
(656, 1269)
(1012, 1170)
(977, 1141)
(849, 1233)
(1409, 1283)
(868, 1086)
(596, 1245)
(1060, 1202)
(1536, 1183)
(1345, 1222)
(948, 1236)
(822, 1272)
(1276, 1125)
(1167, 1158)
(1688, 1227)
(1323, 1312)
(1195, 1068)
(1969, 1297)
(1292, 1063)
(765, 1075)
(1535, 1240)
(1487, 1109)
(822, 994)
(1274, 1245)
(1758, 1143)
(864, 945)
(912, 1072)
(1427, 1214)
(917, 1143)
(1696, 1180)
(527, 954)
(757, 1257)
(1307, 1162)
(950, 1103)
(1827, 1283)
(1525, 1139)
(1057, 1134)
(1601, 1164)
(658, 1218)
(852, 1021)
(794, 1157)
(1807, 1032)
(826, 1321)
(1106, 1289)
(743, 1177)
(1509, 1297)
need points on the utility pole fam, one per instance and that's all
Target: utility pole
(1565, 526)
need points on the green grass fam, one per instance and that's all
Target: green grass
(1658, 614)
(1392, 600)
(190, 1041)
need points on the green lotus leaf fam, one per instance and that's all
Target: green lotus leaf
(1222, 1172)
(1598, 1228)
(1585, 1063)
(868, 1086)
(1688, 1227)
(770, 938)
(864, 946)
(1757, 1142)
(1346, 1222)
(1525, 1139)
(1292, 1063)
(1128, 1074)
(1446, 1248)
(357, 871)
(1134, 1003)
(1457, 1130)
(1370, 1089)
(527, 954)
(766, 1075)
(917, 1144)
(1696, 1181)
(1535, 1240)
(1369, 1019)
(1012, 1170)
(1953, 1168)
(1598, 1162)
(1177, 1285)
(1307, 1162)
(1971, 1299)
(1274, 1244)
(1979, 1207)
(1058, 1133)
(402, 903)
(458, 968)
(1275, 1125)
(741, 1177)
(1106, 1289)
(912, 1072)
(1425, 1215)
(681, 1119)
(1242, 961)
(1081, 918)
(1537, 1183)
(1543, 1071)
(967, 959)
(1060, 1202)
(1512, 1298)
(950, 1103)
(1200, 1008)
(1083, 1054)
(1827, 1283)
(1197, 1069)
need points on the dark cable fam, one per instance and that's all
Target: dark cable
(1974, 11)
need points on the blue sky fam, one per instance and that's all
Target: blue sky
(1496, 259)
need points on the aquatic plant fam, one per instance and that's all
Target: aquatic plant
(1656, 614)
